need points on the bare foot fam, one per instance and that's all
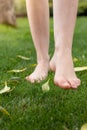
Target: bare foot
(40, 72)
(62, 64)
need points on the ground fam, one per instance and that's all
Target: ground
(31, 108)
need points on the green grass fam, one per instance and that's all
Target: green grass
(30, 108)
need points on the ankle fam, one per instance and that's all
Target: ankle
(43, 60)
(63, 49)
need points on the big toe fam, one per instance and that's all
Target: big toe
(62, 82)
(30, 79)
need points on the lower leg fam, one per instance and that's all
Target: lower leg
(64, 22)
(38, 15)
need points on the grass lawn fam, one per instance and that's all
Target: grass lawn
(31, 108)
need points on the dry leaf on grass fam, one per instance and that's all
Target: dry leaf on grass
(33, 65)
(84, 127)
(75, 59)
(15, 78)
(17, 71)
(4, 111)
(23, 57)
(6, 89)
(77, 69)
(46, 87)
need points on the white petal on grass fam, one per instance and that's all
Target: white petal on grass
(4, 111)
(6, 89)
(17, 71)
(46, 87)
(77, 69)
(23, 57)
(84, 127)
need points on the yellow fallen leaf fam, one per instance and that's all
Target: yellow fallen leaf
(17, 71)
(33, 65)
(6, 89)
(4, 111)
(80, 68)
(84, 127)
(11, 90)
(75, 59)
(23, 57)
(46, 87)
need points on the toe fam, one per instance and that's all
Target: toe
(27, 78)
(74, 83)
(38, 78)
(30, 79)
(78, 82)
(38, 81)
(62, 82)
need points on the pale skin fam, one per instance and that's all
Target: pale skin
(65, 12)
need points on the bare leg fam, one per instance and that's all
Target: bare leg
(64, 22)
(38, 15)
